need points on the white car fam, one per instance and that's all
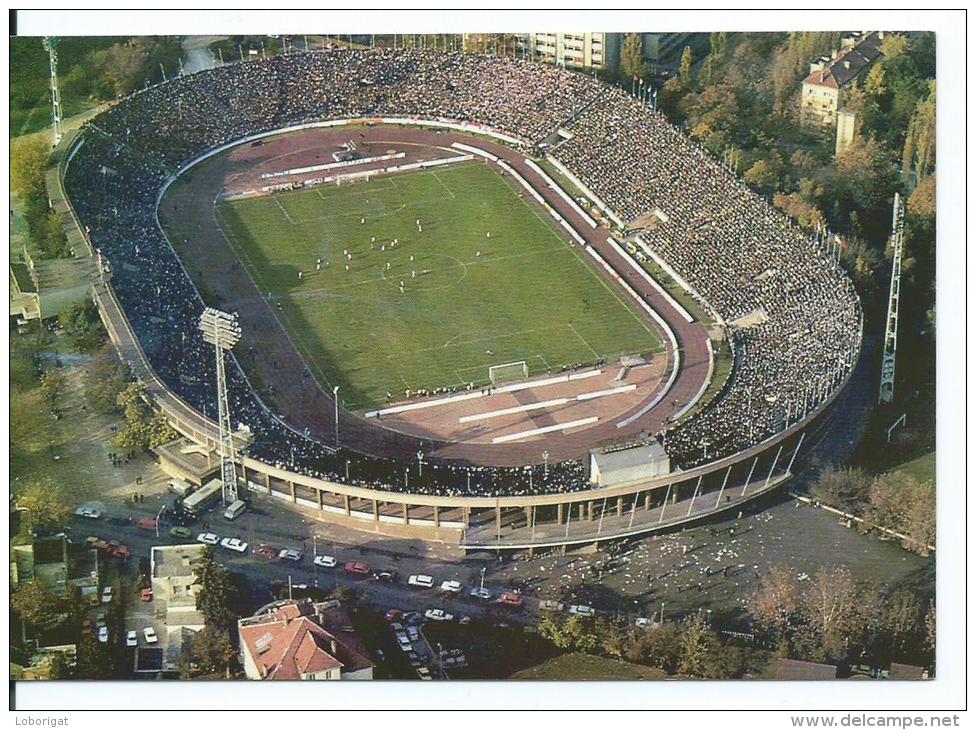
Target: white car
(208, 538)
(421, 581)
(91, 513)
(103, 634)
(325, 561)
(582, 610)
(150, 633)
(290, 554)
(107, 594)
(451, 586)
(131, 639)
(438, 614)
(483, 593)
(234, 543)
(424, 673)
(642, 622)
(550, 606)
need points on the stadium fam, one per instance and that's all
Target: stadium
(482, 301)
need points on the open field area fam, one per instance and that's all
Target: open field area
(467, 301)
(578, 666)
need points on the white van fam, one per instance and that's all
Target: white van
(235, 510)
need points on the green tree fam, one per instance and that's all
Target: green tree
(213, 595)
(632, 63)
(845, 488)
(58, 666)
(28, 161)
(894, 46)
(82, 325)
(93, 659)
(36, 605)
(918, 152)
(144, 429)
(658, 646)
(695, 646)
(763, 175)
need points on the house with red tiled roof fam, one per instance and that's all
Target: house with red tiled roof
(823, 89)
(302, 640)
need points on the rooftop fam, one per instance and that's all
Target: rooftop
(847, 65)
(173, 561)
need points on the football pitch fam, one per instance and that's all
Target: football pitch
(441, 304)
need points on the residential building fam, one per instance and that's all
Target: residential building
(824, 89)
(51, 559)
(598, 51)
(175, 591)
(302, 640)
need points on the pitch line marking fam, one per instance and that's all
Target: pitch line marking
(282, 209)
(544, 430)
(583, 340)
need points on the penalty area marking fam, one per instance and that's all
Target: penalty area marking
(548, 403)
(544, 430)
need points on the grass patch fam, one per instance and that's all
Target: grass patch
(468, 301)
(587, 667)
(922, 468)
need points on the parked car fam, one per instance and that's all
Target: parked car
(92, 513)
(483, 593)
(146, 595)
(150, 633)
(451, 586)
(387, 576)
(356, 568)
(424, 673)
(397, 628)
(421, 581)
(234, 543)
(550, 606)
(413, 633)
(642, 622)
(107, 594)
(582, 610)
(130, 639)
(325, 561)
(145, 523)
(180, 532)
(266, 551)
(464, 620)
(100, 544)
(414, 659)
(291, 554)
(86, 627)
(103, 634)
(208, 538)
(90, 541)
(511, 599)
(413, 618)
(117, 549)
(393, 614)
(438, 614)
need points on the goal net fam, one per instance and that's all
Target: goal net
(507, 372)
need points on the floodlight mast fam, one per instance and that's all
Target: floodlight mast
(886, 392)
(50, 45)
(223, 331)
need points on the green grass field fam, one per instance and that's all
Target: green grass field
(467, 301)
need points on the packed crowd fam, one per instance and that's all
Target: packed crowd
(792, 318)
(741, 255)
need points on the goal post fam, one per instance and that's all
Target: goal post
(507, 372)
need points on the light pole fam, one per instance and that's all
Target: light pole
(483, 577)
(545, 458)
(162, 508)
(347, 470)
(420, 463)
(335, 401)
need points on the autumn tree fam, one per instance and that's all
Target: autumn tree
(213, 594)
(807, 215)
(775, 605)
(658, 646)
(208, 654)
(902, 503)
(845, 488)
(918, 153)
(145, 428)
(82, 325)
(922, 200)
(901, 619)
(835, 611)
(685, 69)
(696, 640)
(46, 505)
(28, 161)
(865, 171)
(35, 604)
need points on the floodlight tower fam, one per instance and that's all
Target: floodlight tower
(223, 331)
(887, 390)
(50, 45)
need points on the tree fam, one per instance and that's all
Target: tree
(658, 646)
(894, 46)
(865, 172)
(918, 153)
(685, 70)
(845, 489)
(93, 659)
(52, 385)
(902, 620)
(632, 63)
(922, 200)
(764, 175)
(695, 646)
(144, 429)
(82, 326)
(835, 611)
(46, 506)
(28, 161)
(900, 502)
(875, 82)
(214, 591)
(775, 604)
(808, 216)
(208, 654)
(36, 605)
(58, 666)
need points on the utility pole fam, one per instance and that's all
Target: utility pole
(223, 331)
(886, 392)
(335, 400)
(50, 45)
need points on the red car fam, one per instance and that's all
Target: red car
(100, 545)
(356, 568)
(146, 595)
(393, 614)
(266, 551)
(145, 523)
(117, 549)
(511, 599)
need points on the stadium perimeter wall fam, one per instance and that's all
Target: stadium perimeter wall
(262, 477)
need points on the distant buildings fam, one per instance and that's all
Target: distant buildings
(831, 76)
(50, 559)
(598, 51)
(302, 640)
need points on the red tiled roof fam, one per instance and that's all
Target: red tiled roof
(848, 65)
(297, 645)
